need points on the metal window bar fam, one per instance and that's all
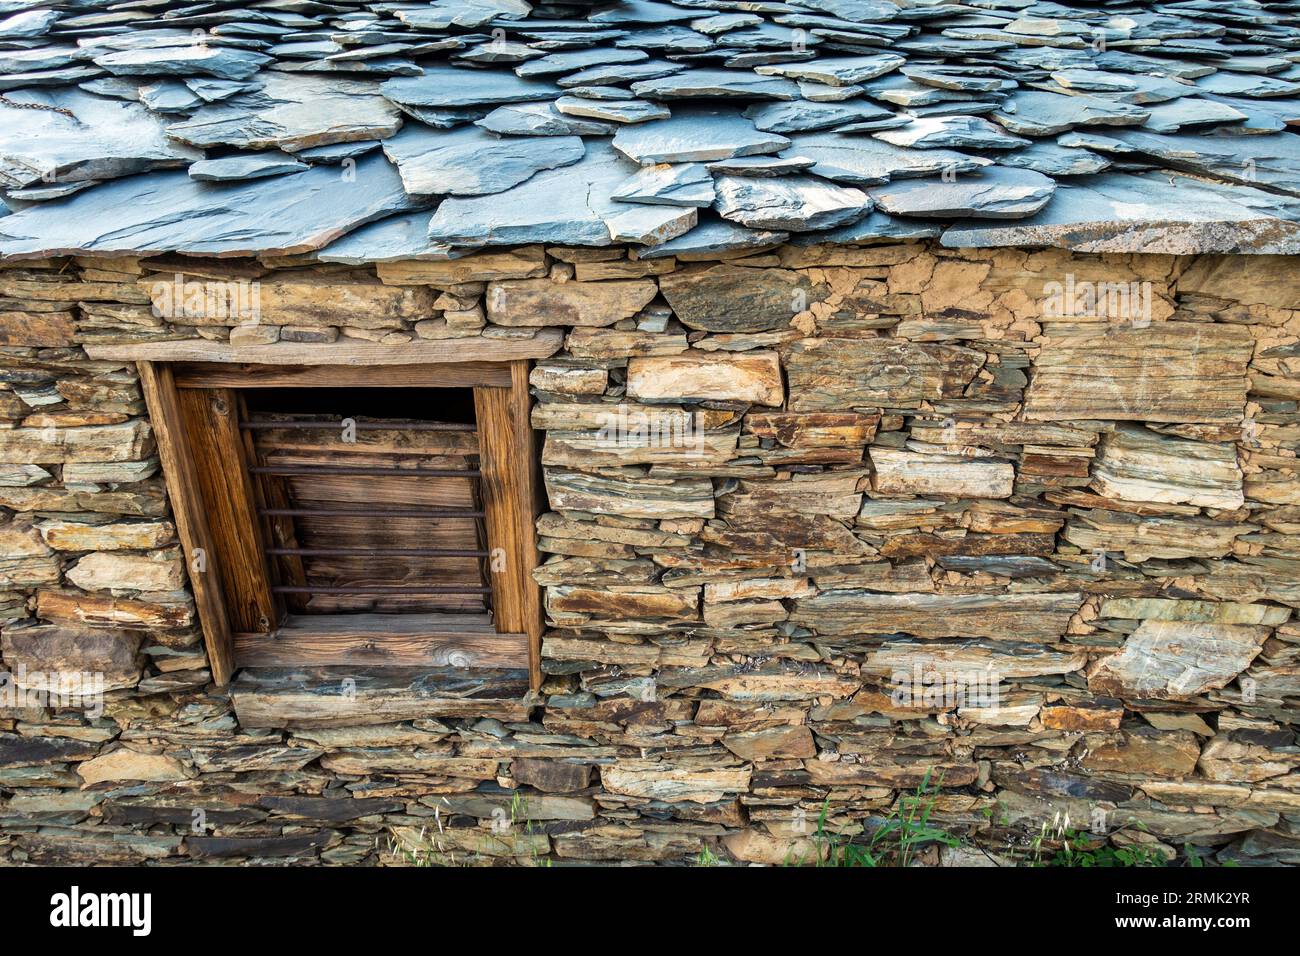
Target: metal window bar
(379, 589)
(363, 470)
(407, 590)
(362, 426)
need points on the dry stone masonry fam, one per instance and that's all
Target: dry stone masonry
(796, 497)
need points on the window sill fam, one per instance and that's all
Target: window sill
(276, 698)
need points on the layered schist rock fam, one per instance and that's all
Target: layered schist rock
(823, 523)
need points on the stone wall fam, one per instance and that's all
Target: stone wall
(792, 493)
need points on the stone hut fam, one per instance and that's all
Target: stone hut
(491, 431)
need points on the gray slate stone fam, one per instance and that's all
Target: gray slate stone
(762, 165)
(103, 139)
(865, 161)
(441, 14)
(1053, 160)
(541, 119)
(1191, 111)
(450, 86)
(789, 203)
(404, 236)
(997, 192)
(1036, 113)
(1272, 162)
(1155, 212)
(687, 184)
(957, 132)
(293, 112)
(804, 116)
(836, 71)
(716, 236)
(225, 63)
(716, 84)
(245, 166)
(169, 212)
(471, 161)
(613, 111)
(563, 206)
(696, 135)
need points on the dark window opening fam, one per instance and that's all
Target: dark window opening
(369, 499)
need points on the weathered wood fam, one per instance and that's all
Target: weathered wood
(438, 352)
(511, 499)
(388, 640)
(191, 515)
(249, 375)
(217, 448)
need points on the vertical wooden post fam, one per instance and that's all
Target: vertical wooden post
(217, 450)
(511, 500)
(168, 423)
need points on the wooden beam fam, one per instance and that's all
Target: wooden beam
(510, 492)
(420, 352)
(384, 640)
(217, 451)
(242, 375)
(191, 516)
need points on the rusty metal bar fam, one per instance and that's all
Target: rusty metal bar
(380, 552)
(336, 423)
(379, 589)
(370, 512)
(306, 470)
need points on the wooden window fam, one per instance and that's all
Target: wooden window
(359, 516)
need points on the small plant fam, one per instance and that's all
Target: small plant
(891, 843)
(1085, 849)
(706, 857)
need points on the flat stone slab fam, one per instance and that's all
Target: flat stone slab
(714, 236)
(790, 203)
(1051, 159)
(396, 238)
(441, 14)
(1036, 113)
(687, 184)
(693, 135)
(997, 192)
(1269, 161)
(449, 86)
(169, 212)
(246, 166)
(716, 84)
(542, 119)
(102, 139)
(953, 132)
(293, 112)
(836, 71)
(471, 161)
(190, 59)
(570, 206)
(612, 111)
(866, 161)
(805, 116)
(1158, 213)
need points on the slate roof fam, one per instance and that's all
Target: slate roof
(364, 131)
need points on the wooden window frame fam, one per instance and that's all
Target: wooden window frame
(195, 466)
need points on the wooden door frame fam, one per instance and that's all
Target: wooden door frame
(509, 479)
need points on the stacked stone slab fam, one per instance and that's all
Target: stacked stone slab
(790, 493)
